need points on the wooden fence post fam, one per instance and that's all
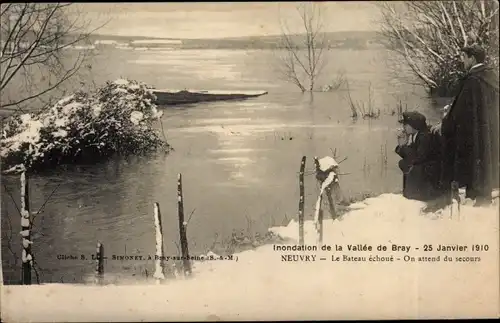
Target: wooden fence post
(160, 257)
(182, 228)
(301, 200)
(99, 270)
(320, 177)
(27, 258)
(326, 175)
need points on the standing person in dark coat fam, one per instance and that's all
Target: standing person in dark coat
(420, 161)
(470, 130)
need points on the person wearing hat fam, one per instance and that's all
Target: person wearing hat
(420, 158)
(469, 130)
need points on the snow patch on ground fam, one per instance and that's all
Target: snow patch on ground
(262, 286)
(29, 135)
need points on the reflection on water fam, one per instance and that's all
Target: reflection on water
(239, 160)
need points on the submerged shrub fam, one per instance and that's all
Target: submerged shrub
(117, 119)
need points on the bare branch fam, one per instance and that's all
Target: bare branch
(464, 36)
(293, 49)
(192, 212)
(304, 57)
(446, 18)
(7, 7)
(426, 37)
(36, 272)
(12, 198)
(46, 201)
(9, 240)
(33, 50)
(68, 74)
(13, 30)
(483, 12)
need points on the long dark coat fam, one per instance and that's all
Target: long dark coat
(470, 134)
(420, 166)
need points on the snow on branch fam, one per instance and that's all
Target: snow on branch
(116, 119)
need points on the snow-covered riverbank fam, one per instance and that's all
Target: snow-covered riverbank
(262, 285)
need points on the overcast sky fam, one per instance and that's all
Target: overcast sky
(216, 19)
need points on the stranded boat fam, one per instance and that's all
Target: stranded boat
(173, 97)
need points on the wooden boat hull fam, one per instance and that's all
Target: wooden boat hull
(169, 97)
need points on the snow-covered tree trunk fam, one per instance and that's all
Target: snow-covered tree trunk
(301, 200)
(27, 258)
(159, 259)
(99, 270)
(182, 228)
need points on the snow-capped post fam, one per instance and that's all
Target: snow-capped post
(182, 228)
(99, 269)
(326, 174)
(159, 259)
(318, 218)
(27, 258)
(301, 200)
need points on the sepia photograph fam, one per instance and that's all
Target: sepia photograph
(216, 161)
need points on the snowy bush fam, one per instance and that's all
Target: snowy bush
(117, 119)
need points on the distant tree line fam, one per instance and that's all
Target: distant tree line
(276, 43)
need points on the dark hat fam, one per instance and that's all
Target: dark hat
(415, 119)
(476, 51)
